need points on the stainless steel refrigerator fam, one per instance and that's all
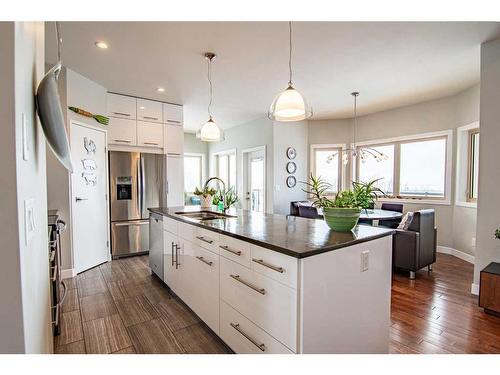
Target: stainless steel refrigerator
(136, 181)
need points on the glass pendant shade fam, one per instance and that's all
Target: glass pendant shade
(289, 105)
(210, 132)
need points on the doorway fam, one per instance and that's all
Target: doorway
(254, 179)
(89, 188)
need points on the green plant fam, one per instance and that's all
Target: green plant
(362, 195)
(497, 234)
(227, 196)
(205, 192)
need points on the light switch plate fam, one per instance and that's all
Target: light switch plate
(365, 258)
(25, 137)
(29, 220)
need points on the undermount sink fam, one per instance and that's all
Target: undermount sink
(204, 215)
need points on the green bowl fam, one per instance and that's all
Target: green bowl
(341, 219)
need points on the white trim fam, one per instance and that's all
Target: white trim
(474, 289)
(244, 176)
(412, 137)
(456, 253)
(68, 273)
(466, 204)
(463, 131)
(203, 166)
(342, 174)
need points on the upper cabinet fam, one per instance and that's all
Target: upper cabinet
(149, 110)
(122, 106)
(172, 113)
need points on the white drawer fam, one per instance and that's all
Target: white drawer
(270, 305)
(206, 239)
(277, 266)
(244, 337)
(235, 249)
(187, 231)
(121, 106)
(149, 110)
(203, 270)
(170, 225)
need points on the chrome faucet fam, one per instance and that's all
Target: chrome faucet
(214, 178)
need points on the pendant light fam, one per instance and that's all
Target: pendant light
(210, 132)
(289, 105)
(364, 153)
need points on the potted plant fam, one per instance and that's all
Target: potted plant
(342, 212)
(205, 196)
(228, 197)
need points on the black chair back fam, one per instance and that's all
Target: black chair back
(423, 222)
(308, 211)
(391, 223)
(294, 207)
(398, 207)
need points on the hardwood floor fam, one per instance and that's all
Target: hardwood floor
(119, 307)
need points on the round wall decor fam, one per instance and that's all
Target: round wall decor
(291, 153)
(291, 181)
(291, 167)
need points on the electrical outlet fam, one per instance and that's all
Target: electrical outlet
(365, 257)
(473, 242)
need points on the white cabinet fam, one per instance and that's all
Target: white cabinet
(170, 253)
(173, 113)
(149, 134)
(149, 110)
(121, 106)
(173, 139)
(175, 181)
(122, 132)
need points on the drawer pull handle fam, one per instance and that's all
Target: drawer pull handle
(122, 114)
(201, 238)
(174, 121)
(205, 261)
(150, 117)
(235, 252)
(151, 143)
(251, 286)
(262, 263)
(122, 141)
(236, 326)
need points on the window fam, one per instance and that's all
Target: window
(416, 168)
(423, 168)
(327, 164)
(473, 165)
(193, 172)
(370, 169)
(225, 167)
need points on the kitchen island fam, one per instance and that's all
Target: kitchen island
(273, 284)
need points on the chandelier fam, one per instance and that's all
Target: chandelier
(353, 152)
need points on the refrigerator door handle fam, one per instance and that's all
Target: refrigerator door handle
(143, 183)
(139, 187)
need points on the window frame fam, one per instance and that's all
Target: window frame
(470, 164)
(340, 148)
(215, 158)
(203, 167)
(447, 135)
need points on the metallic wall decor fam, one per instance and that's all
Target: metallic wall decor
(89, 164)
(291, 181)
(291, 153)
(291, 167)
(90, 178)
(89, 145)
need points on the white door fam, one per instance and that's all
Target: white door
(255, 183)
(88, 198)
(175, 181)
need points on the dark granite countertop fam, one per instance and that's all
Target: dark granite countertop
(295, 236)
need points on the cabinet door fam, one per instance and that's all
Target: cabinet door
(121, 106)
(122, 132)
(204, 277)
(175, 181)
(173, 139)
(149, 134)
(149, 110)
(172, 113)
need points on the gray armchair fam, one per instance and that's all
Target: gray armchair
(415, 248)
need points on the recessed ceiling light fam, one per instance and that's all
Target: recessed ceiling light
(141, 107)
(160, 89)
(100, 44)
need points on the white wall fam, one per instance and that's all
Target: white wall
(289, 134)
(456, 225)
(76, 91)
(25, 321)
(488, 248)
(252, 134)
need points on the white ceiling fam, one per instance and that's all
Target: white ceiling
(391, 64)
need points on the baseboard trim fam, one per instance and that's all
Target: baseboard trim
(456, 253)
(474, 289)
(68, 273)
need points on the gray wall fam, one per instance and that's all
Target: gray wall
(287, 134)
(456, 225)
(25, 321)
(251, 134)
(488, 248)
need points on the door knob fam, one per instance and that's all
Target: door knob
(78, 199)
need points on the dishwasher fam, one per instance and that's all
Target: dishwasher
(156, 244)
